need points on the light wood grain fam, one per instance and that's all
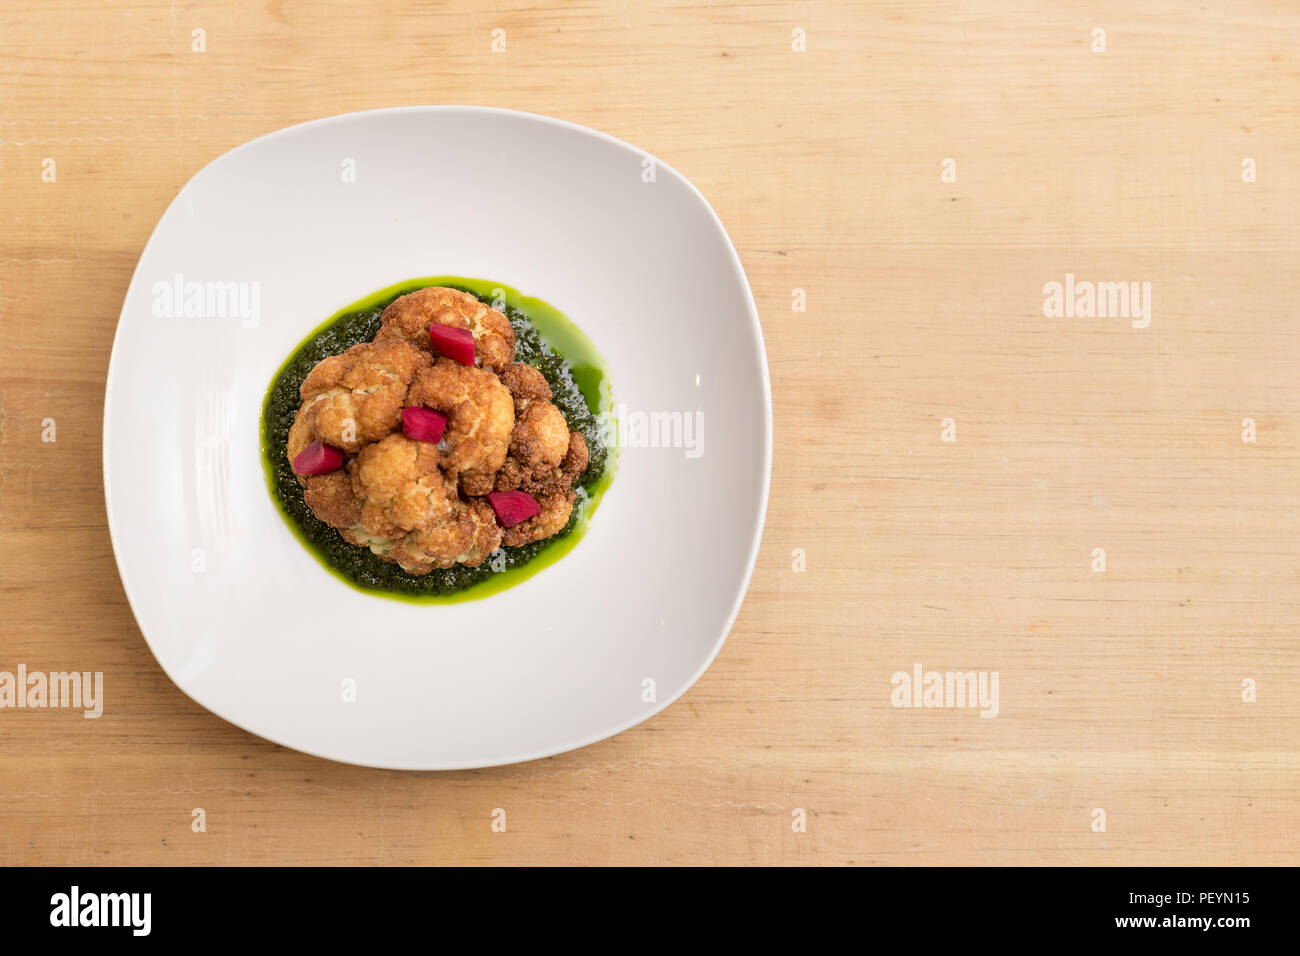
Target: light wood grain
(1119, 691)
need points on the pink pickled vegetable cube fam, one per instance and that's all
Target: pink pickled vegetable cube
(317, 459)
(456, 344)
(423, 424)
(512, 507)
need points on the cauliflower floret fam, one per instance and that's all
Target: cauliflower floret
(300, 436)
(355, 398)
(544, 454)
(575, 460)
(332, 499)
(516, 475)
(526, 384)
(409, 317)
(480, 418)
(556, 504)
(400, 486)
(467, 537)
(540, 436)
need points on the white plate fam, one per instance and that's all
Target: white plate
(247, 623)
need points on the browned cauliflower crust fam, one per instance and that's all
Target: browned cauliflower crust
(544, 455)
(400, 486)
(556, 504)
(408, 319)
(575, 460)
(467, 537)
(480, 417)
(300, 436)
(420, 504)
(525, 384)
(540, 436)
(357, 397)
(331, 498)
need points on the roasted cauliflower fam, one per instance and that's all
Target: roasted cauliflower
(357, 397)
(544, 459)
(408, 319)
(480, 417)
(369, 464)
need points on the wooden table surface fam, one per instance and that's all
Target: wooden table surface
(1171, 157)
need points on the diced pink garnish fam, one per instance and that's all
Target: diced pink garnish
(423, 424)
(456, 344)
(317, 459)
(513, 507)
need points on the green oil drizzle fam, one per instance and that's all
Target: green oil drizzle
(545, 339)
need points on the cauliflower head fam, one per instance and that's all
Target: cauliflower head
(421, 504)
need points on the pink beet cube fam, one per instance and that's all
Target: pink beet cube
(513, 507)
(456, 344)
(317, 459)
(423, 424)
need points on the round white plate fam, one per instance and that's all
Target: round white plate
(312, 218)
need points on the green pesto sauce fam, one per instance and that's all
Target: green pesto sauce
(546, 340)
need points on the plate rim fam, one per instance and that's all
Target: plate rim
(767, 438)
